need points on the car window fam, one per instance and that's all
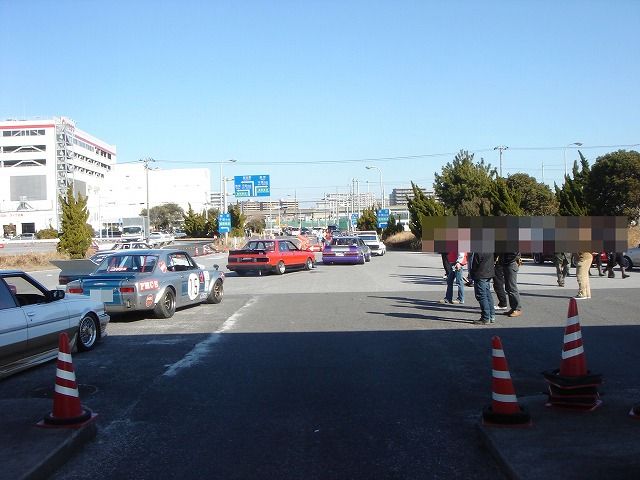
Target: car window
(283, 247)
(291, 246)
(6, 298)
(128, 263)
(179, 262)
(25, 292)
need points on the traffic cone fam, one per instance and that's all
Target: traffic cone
(67, 411)
(572, 385)
(504, 409)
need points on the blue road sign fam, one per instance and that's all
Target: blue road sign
(224, 222)
(252, 185)
(354, 219)
(383, 217)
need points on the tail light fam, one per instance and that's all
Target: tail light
(127, 289)
(75, 290)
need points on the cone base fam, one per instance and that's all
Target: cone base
(588, 380)
(585, 407)
(586, 392)
(49, 421)
(520, 419)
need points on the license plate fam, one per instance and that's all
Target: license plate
(101, 295)
(339, 254)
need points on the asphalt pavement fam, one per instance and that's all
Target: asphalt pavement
(560, 443)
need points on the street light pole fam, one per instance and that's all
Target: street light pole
(223, 186)
(369, 167)
(500, 148)
(146, 171)
(564, 154)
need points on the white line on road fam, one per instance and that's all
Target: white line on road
(204, 347)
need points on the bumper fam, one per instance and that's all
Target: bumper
(251, 267)
(348, 260)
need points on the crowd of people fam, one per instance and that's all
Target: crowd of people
(501, 269)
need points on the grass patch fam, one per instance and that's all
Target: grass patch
(30, 261)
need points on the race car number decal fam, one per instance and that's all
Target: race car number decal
(193, 286)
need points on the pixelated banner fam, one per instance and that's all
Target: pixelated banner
(524, 234)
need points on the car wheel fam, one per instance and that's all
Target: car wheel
(627, 263)
(574, 260)
(367, 258)
(361, 260)
(280, 268)
(308, 264)
(216, 293)
(88, 333)
(166, 307)
(538, 258)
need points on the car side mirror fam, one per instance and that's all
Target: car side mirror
(216, 266)
(53, 295)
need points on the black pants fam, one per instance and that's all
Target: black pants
(612, 259)
(446, 264)
(498, 285)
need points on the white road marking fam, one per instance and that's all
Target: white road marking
(204, 347)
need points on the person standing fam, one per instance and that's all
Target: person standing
(612, 259)
(511, 264)
(498, 285)
(562, 260)
(457, 263)
(446, 264)
(582, 273)
(482, 270)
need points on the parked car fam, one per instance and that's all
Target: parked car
(25, 236)
(371, 238)
(347, 249)
(160, 238)
(102, 254)
(270, 256)
(158, 280)
(632, 257)
(179, 234)
(33, 317)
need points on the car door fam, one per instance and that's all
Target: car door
(284, 253)
(297, 257)
(13, 327)
(188, 282)
(45, 319)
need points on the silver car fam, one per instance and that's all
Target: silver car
(32, 317)
(632, 257)
(158, 280)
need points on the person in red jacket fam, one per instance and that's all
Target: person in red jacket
(457, 261)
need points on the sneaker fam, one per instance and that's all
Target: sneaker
(498, 307)
(625, 275)
(561, 284)
(444, 300)
(580, 297)
(509, 312)
(492, 320)
(515, 313)
(481, 321)
(458, 302)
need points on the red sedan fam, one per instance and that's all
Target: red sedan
(270, 256)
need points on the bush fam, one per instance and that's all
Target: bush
(47, 233)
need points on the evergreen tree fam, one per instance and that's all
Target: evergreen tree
(194, 223)
(238, 219)
(393, 227)
(504, 200)
(75, 236)
(535, 198)
(368, 220)
(421, 205)
(571, 197)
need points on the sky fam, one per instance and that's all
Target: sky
(311, 92)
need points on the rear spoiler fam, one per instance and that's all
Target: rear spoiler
(246, 252)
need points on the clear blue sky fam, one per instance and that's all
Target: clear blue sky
(266, 82)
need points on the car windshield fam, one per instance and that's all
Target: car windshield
(370, 238)
(259, 245)
(344, 241)
(128, 264)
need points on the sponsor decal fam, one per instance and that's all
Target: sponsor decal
(193, 286)
(148, 302)
(162, 266)
(148, 285)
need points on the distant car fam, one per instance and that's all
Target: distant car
(276, 256)
(371, 238)
(179, 234)
(25, 236)
(33, 317)
(102, 254)
(347, 249)
(160, 238)
(632, 257)
(158, 280)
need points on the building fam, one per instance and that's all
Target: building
(399, 195)
(39, 159)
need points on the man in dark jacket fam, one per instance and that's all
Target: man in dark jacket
(482, 270)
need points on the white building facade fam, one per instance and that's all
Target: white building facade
(39, 159)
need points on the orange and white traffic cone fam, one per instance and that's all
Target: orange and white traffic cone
(67, 411)
(573, 385)
(504, 409)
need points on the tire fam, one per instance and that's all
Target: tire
(216, 293)
(280, 268)
(166, 307)
(628, 264)
(361, 260)
(367, 258)
(574, 260)
(88, 333)
(538, 258)
(308, 265)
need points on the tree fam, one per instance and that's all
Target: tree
(194, 223)
(46, 233)
(75, 236)
(613, 187)
(463, 179)
(504, 200)
(393, 227)
(256, 224)
(571, 197)
(421, 205)
(368, 220)
(535, 198)
(163, 217)
(238, 218)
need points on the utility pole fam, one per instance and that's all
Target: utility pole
(146, 161)
(500, 148)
